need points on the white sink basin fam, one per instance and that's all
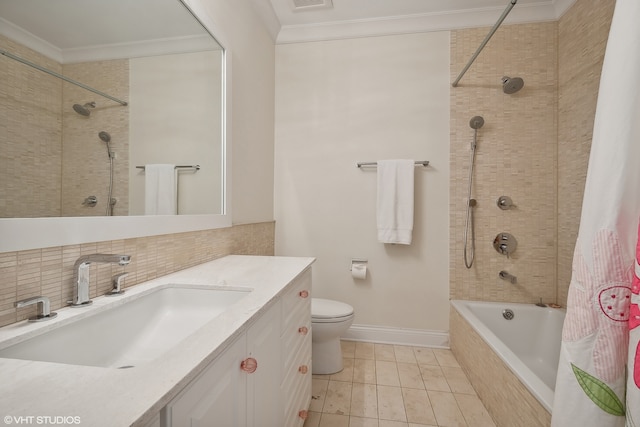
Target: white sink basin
(132, 333)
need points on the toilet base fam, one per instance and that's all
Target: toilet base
(326, 357)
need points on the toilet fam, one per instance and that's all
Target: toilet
(329, 320)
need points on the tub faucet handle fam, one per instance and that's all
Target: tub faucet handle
(44, 308)
(118, 281)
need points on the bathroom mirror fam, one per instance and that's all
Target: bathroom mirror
(62, 139)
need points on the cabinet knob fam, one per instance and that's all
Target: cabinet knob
(303, 330)
(249, 365)
(303, 369)
(304, 294)
(303, 414)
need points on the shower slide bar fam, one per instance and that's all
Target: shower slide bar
(195, 167)
(485, 41)
(60, 76)
(418, 162)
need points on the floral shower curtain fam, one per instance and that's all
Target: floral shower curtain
(591, 387)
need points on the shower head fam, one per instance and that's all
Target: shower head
(476, 122)
(83, 110)
(104, 136)
(511, 84)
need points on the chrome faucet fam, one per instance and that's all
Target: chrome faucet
(81, 275)
(117, 282)
(44, 311)
(509, 277)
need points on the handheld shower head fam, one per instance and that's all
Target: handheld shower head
(104, 136)
(512, 84)
(83, 110)
(476, 122)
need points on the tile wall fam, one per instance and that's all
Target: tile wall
(45, 142)
(583, 33)
(516, 157)
(534, 147)
(49, 271)
(21, 107)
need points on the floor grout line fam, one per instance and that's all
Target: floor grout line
(448, 410)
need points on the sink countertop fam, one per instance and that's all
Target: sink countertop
(121, 397)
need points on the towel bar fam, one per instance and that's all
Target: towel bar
(418, 162)
(196, 167)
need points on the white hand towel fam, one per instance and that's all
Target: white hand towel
(395, 201)
(160, 189)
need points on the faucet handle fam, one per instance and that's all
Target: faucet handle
(117, 281)
(44, 310)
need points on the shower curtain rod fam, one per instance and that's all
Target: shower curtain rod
(60, 76)
(485, 41)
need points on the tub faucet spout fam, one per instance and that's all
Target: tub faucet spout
(509, 277)
(81, 275)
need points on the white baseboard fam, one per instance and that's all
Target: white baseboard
(398, 336)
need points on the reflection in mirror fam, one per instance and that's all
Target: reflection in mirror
(74, 149)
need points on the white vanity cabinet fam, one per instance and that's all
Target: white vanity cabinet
(263, 379)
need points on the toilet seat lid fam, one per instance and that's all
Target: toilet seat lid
(329, 309)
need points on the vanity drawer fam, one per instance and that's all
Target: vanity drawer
(298, 334)
(296, 391)
(298, 296)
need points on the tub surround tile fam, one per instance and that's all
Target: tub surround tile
(484, 370)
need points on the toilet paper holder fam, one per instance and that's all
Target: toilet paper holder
(358, 261)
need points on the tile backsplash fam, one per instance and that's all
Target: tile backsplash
(49, 271)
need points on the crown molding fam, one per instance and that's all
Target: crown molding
(445, 21)
(25, 38)
(105, 52)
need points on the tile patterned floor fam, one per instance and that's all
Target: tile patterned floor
(385, 385)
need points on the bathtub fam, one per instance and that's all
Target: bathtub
(511, 363)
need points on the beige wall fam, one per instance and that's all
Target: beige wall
(583, 33)
(341, 102)
(252, 102)
(175, 118)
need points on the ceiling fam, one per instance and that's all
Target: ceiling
(74, 30)
(333, 19)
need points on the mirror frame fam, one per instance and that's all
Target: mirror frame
(18, 234)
